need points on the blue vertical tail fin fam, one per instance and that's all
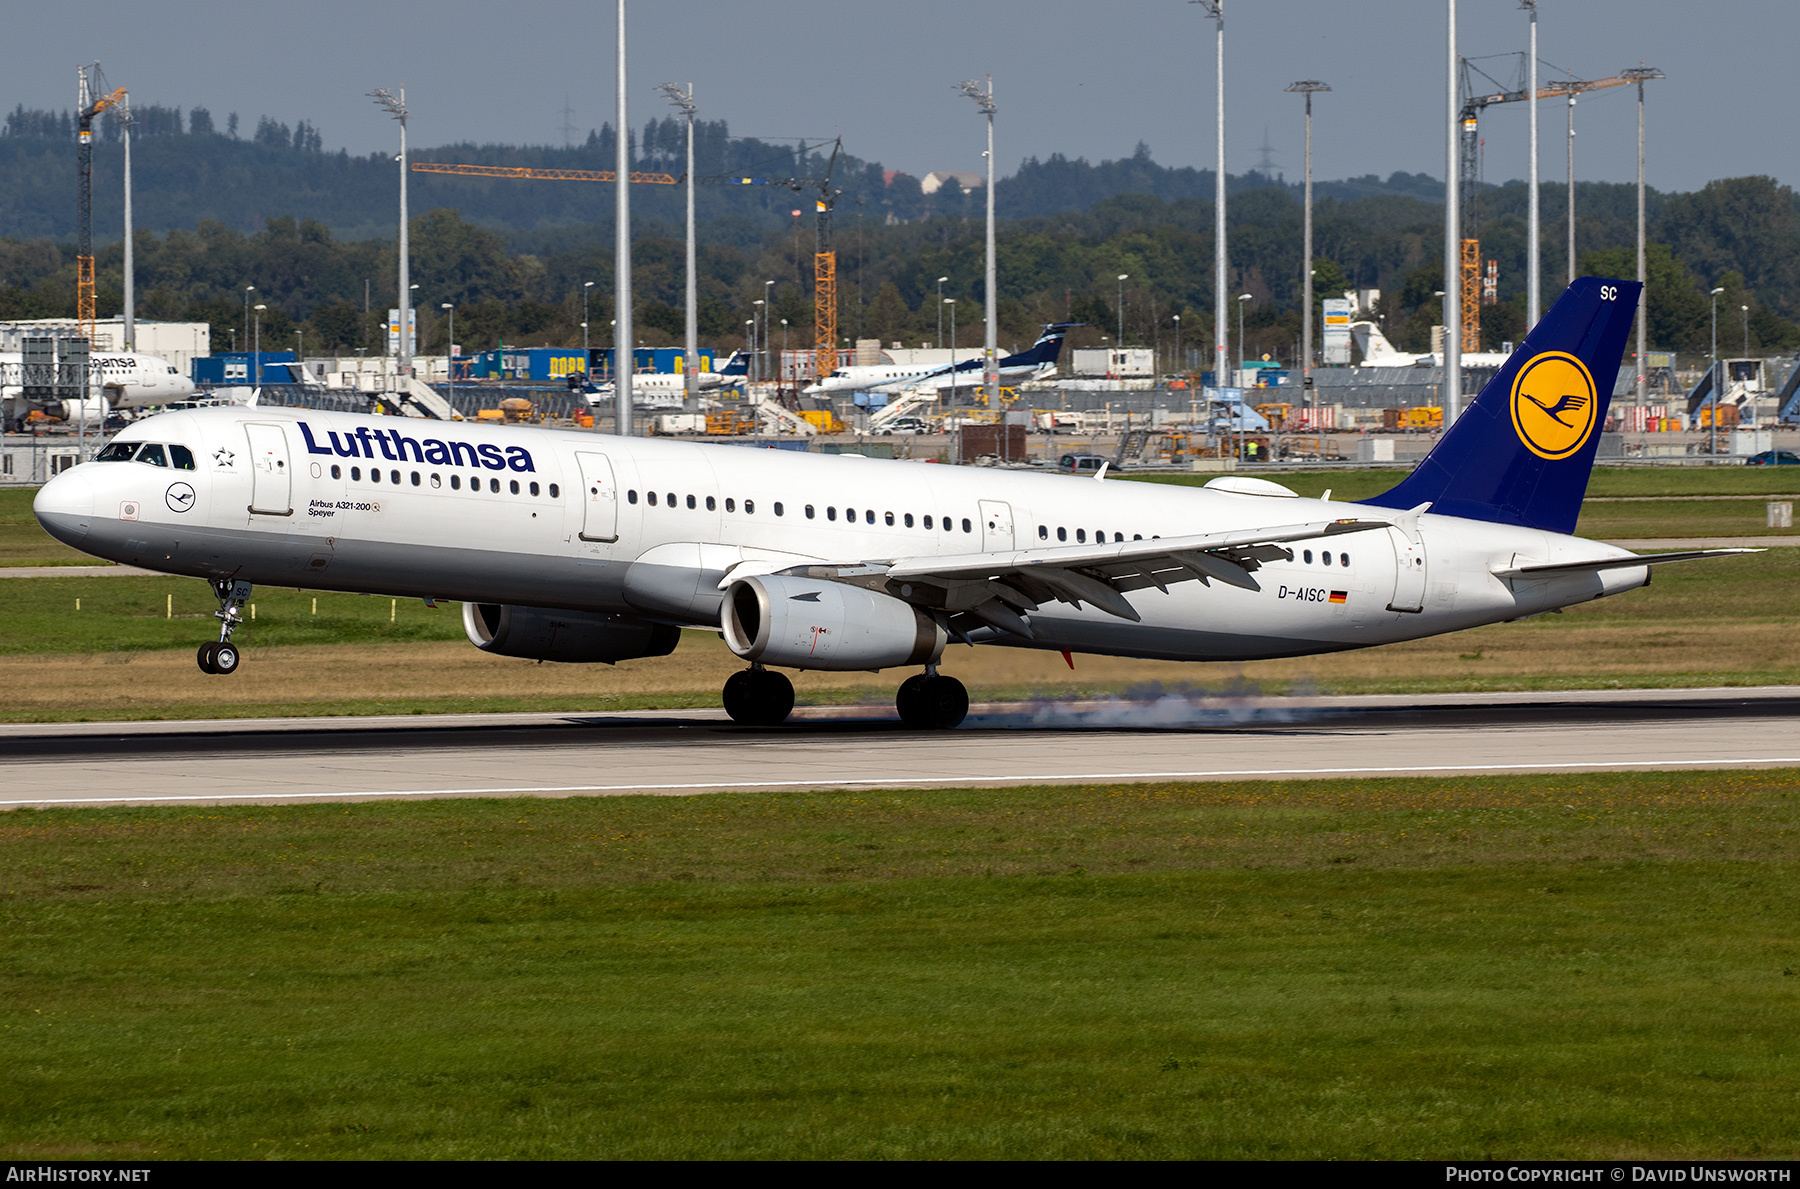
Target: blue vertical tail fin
(1522, 452)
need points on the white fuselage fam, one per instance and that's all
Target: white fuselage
(129, 381)
(652, 528)
(895, 376)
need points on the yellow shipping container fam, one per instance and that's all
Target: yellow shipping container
(823, 420)
(1425, 417)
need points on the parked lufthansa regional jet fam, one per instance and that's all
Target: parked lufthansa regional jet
(569, 546)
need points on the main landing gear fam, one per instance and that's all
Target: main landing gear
(757, 697)
(221, 656)
(929, 701)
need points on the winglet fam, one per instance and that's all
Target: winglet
(1100, 475)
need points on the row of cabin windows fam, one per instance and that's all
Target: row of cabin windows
(831, 513)
(1081, 536)
(1062, 534)
(436, 480)
(152, 453)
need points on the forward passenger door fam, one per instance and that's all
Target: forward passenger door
(271, 485)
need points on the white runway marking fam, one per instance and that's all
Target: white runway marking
(904, 782)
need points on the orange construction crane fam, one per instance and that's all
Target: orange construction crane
(90, 105)
(549, 175)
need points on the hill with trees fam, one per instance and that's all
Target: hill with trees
(306, 227)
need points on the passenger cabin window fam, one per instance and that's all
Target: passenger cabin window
(869, 515)
(909, 520)
(455, 481)
(554, 491)
(889, 518)
(928, 522)
(749, 507)
(1343, 559)
(631, 496)
(809, 511)
(778, 508)
(830, 513)
(374, 475)
(671, 499)
(337, 472)
(1326, 557)
(1306, 555)
(493, 485)
(690, 502)
(356, 474)
(710, 505)
(967, 527)
(1062, 534)
(1081, 536)
(394, 477)
(534, 489)
(730, 504)
(651, 496)
(415, 479)
(514, 487)
(1043, 532)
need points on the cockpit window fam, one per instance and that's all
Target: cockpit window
(152, 453)
(117, 452)
(181, 458)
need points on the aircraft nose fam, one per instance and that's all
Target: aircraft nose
(65, 505)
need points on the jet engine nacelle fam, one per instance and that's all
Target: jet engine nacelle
(571, 637)
(806, 623)
(96, 409)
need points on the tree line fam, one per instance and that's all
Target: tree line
(523, 284)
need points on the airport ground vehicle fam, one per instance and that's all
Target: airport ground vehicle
(1081, 464)
(1773, 458)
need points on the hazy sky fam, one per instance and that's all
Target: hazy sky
(1081, 79)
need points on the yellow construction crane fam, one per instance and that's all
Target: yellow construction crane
(550, 175)
(825, 305)
(89, 104)
(1473, 104)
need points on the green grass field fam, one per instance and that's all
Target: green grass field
(1592, 967)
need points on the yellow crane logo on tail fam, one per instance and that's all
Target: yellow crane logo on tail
(1554, 405)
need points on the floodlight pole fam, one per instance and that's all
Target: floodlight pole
(1639, 74)
(623, 357)
(395, 105)
(1534, 279)
(1307, 87)
(1713, 434)
(684, 102)
(129, 311)
(1452, 222)
(990, 371)
(1221, 327)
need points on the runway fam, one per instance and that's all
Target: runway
(691, 752)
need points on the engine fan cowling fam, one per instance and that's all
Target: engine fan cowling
(805, 623)
(569, 637)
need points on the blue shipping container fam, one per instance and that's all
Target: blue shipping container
(239, 367)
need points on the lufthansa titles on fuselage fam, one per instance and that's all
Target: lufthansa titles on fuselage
(395, 447)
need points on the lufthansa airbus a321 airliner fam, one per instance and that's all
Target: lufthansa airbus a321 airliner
(575, 547)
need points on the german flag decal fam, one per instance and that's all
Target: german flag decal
(1339, 596)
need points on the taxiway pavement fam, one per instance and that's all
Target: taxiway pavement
(687, 752)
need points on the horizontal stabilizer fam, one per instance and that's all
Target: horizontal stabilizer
(1630, 561)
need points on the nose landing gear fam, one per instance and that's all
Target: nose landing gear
(757, 697)
(221, 656)
(929, 701)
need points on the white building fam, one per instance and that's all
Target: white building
(934, 181)
(178, 342)
(1114, 363)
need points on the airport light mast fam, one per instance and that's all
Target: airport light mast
(624, 358)
(395, 105)
(1638, 74)
(1534, 277)
(1216, 10)
(684, 103)
(990, 372)
(1308, 87)
(1452, 312)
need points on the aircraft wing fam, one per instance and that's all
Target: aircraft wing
(996, 587)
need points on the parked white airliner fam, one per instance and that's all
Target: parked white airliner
(126, 380)
(570, 546)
